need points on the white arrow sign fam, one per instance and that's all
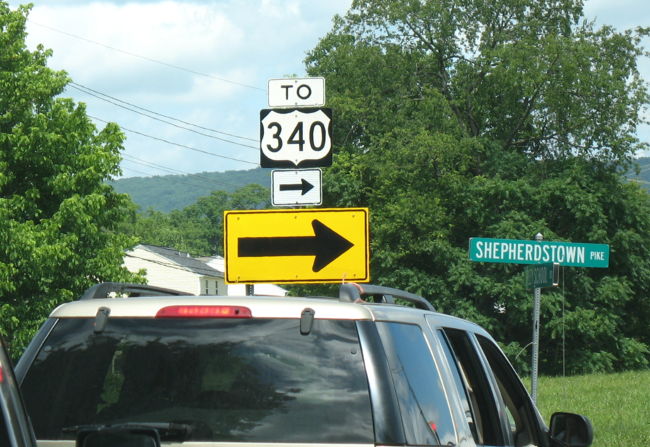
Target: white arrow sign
(297, 187)
(295, 138)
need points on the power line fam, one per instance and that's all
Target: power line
(188, 181)
(156, 61)
(132, 159)
(138, 172)
(136, 160)
(120, 103)
(177, 144)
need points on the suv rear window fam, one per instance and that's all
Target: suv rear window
(229, 379)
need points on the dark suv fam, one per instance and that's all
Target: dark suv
(374, 366)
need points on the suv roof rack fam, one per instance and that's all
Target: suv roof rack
(352, 292)
(104, 290)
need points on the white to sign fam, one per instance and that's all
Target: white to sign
(292, 138)
(297, 92)
(297, 187)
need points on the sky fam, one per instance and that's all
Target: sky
(202, 66)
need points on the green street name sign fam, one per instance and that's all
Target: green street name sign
(542, 275)
(536, 252)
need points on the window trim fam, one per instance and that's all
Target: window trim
(532, 416)
(388, 424)
(506, 435)
(496, 413)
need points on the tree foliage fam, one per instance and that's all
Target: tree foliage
(501, 118)
(57, 235)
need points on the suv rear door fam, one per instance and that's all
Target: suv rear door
(497, 407)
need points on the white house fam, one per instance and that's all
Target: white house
(173, 269)
(219, 264)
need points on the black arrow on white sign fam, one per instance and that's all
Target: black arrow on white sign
(304, 186)
(326, 245)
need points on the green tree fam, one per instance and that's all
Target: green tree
(58, 218)
(458, 119)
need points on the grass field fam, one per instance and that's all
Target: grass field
(617, 404)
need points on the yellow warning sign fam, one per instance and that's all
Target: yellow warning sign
(297, 246)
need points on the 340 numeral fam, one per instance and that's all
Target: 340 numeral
(317, 136)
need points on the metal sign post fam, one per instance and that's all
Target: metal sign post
(536, 311)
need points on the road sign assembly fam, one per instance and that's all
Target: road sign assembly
(291, 138)
(538, 252)
(297, 246)
(296, 187)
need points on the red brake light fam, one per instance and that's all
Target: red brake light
(204, 312)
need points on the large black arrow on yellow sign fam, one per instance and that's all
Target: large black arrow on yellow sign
(296, 246)
(325, 245)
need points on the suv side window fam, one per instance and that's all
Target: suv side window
(422, 399)
(521, 416)
(474, 387)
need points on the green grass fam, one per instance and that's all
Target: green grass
(618, 405)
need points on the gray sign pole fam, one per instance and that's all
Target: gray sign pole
(536, 312)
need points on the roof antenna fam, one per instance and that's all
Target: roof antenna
(306, 321)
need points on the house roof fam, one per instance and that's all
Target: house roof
(183, 259)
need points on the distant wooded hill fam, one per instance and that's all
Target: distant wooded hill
(644, 173)
(170, 192)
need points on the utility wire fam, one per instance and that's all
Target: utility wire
(156, 61)
(177, 144)
(187, 181)
(137, 172)
(120, 103)
(132, 159)
(136, 160)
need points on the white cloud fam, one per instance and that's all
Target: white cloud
(183, 34)
(124, 48)
(280, 9)
(244, 41)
